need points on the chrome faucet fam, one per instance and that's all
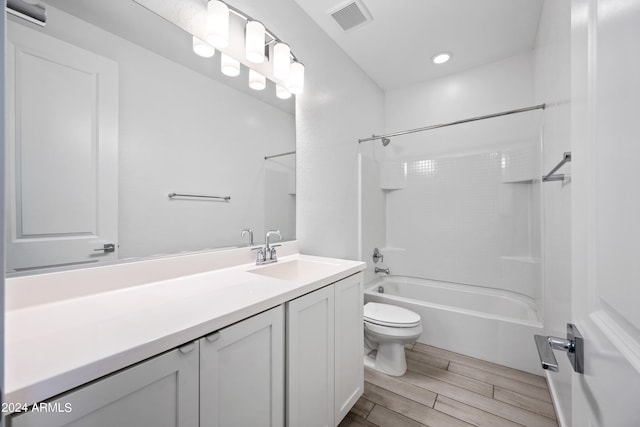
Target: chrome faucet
(250, 232)
(382, 270)
(267, 255)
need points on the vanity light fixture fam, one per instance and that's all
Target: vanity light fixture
(281, 61)
(229, 66)
(441, 58)
(240, 38)
(202, 48)
(218, 24)
(256, 80)
(255, 41)
(282, 92)
(296, 78)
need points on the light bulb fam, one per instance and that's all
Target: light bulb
(441, 58)
(254, 41)
(229, 66)
(282, 92)
(296, 78)
(256, 80)
(281, 61)
(218, 24)
(202, 49)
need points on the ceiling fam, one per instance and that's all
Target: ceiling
(396, 47)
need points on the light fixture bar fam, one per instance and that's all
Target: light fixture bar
(255, 48)
(270, 34)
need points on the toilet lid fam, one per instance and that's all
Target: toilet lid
(390, 315)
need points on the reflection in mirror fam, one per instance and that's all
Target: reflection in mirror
(108, 112)
(280, 194)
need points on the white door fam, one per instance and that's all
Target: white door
(62, 138)
(606, 210)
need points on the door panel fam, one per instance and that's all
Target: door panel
(159, 392)
(349, 363)
(310, 359)
(62, 136)
(606, 208)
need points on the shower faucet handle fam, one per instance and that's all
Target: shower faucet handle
(377, 255)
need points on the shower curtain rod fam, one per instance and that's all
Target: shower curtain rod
(472, 119)
(279, 155)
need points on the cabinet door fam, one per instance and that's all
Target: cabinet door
(161, 392)
(242, 373)
(349, 366)
(310, 359)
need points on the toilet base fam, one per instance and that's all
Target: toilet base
(388, 359)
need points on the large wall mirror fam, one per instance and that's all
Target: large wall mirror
(108, 111)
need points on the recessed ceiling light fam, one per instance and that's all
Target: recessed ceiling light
(441, 58)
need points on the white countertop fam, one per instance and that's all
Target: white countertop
(52, 347)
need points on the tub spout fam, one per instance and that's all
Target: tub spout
(382, 270)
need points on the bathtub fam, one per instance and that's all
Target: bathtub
(489, 324)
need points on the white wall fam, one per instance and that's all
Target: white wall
(181, 131)
(552, 85)
(340, 105)
(495, 87)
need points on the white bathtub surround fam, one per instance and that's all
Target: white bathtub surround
(488, 324)
(137, 310)
(468, 218)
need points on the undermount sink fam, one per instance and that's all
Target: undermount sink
(296, 270)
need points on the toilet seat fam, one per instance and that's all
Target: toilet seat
(390, 315)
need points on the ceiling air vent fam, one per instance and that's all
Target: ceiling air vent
(351, 15)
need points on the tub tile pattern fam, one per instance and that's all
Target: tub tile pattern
(442, 388)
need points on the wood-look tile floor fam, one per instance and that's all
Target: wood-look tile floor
(441, 388)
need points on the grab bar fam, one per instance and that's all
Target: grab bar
(172, 195)
(566, 157)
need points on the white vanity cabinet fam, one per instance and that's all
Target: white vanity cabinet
(242, 373)
(325, 353)
(349, 344)
(309, 347)
(159, 392)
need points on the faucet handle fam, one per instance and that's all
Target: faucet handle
(272, 253)
(261, 256)
(377, 255)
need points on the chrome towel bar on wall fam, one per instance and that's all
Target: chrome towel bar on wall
(566, 157)
(225, 198)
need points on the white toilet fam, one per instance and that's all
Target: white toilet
(387, 328)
